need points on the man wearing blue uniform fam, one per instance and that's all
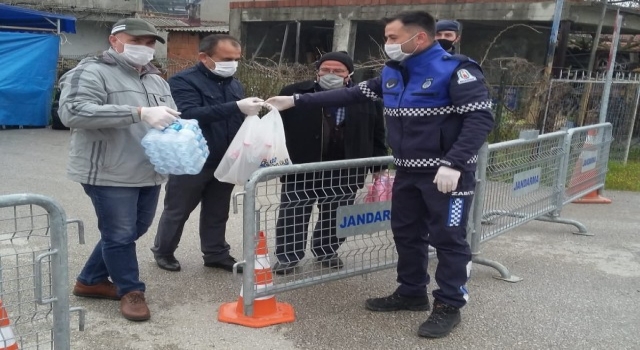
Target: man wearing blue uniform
(438, 115)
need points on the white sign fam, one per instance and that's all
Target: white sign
(361, 219)
(589, 160)
(526, 181)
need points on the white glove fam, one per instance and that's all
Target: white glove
(250, 105)
(158, 117)
(281, 102)
(446, 179)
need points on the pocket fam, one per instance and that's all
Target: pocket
(425, 94)
(162, 100)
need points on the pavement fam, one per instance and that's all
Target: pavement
(577, 292)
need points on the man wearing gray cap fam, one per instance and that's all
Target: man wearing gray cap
(110, 102)
(448, 34)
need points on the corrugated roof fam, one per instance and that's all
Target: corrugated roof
(202, 29)
(164, 22)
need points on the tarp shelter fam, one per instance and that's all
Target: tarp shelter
(29, 48)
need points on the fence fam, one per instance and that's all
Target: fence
(575, 99)
(34, 271)
(518, 181)
(532, 179)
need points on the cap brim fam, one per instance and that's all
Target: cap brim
(143, 33)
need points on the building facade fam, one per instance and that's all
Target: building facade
(300, 30)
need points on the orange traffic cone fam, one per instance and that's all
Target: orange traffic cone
(266, 311)
(7, 339)
(592, 198)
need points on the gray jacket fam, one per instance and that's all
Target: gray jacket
(99, 103)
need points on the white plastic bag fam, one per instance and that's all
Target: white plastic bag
(259, 143)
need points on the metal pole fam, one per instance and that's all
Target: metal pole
(553, 39)
(610, 68)
(633, 121)
(298, 25)
(284, 43)
(596, 39)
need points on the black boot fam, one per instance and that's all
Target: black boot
(442, 320)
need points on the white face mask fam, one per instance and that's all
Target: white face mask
(330, 82)
(394, 51)
(225, 69)
(137, 55)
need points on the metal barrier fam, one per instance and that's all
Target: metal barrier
(532, 179)
(34, 274)
(517, 181)
(334, 188)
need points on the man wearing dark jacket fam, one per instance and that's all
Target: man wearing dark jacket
(448, 34)
(323, 134)
(210, 94)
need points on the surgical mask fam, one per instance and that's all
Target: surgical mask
(394, 51)
(330, 82)
(225, 69)
(446, 44)
(137, 55)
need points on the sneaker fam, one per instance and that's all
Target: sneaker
(280, 268)
(225, 264)
(441, 321)
(134, 307)
(395, 302)
(331, 263)
(102, 290)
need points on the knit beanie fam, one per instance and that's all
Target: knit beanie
(339, 56)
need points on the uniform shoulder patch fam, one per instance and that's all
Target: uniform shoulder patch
(465, 77)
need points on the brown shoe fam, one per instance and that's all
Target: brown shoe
(102, 290)
(133, 306)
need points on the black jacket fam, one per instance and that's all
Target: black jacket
(211, 100)
(364, 130)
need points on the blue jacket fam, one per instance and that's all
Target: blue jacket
(437, 108)
(211, 100)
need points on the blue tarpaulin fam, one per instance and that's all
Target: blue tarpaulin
(28, 73)
(20, 18)
(29, 61)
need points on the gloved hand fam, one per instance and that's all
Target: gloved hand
(250, 105)
(446, 179)
(281, 102)
(158, 117)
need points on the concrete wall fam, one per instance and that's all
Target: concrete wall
(215, 10)
(90, 38)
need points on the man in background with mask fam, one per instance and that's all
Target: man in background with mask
(438, 114)
(208, 93)
(110, 102)
(448, 34)
(317, 134)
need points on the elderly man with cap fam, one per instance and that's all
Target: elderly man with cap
(448, 34)
(110, 102)
(324, 134)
